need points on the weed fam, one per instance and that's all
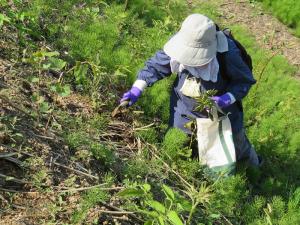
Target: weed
(90, 199)
(165, 212)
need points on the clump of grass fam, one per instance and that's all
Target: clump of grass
(89, 200)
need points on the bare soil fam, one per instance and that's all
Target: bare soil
(268, 31)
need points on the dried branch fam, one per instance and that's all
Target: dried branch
(91, 187)
(65, 191)
(16, 150)
(16, 180)
(144, 128)
(7, 154)
(115, 212)
(76, 171)
(120, 210)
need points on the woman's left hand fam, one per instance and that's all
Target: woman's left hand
(224, 101)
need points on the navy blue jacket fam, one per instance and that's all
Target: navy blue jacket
(238, 82)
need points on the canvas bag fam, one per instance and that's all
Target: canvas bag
(215, 143)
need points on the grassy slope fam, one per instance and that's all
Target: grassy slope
(119, 43)
(287, 11)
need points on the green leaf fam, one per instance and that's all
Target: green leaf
(156, 206)
(146, 187)
(35, 97)
(66, 91)
(174, 218)
(50, 54)
(53, 88)
(3, 19)
(168, 192)
(80, 73)
(62, 91)
(214, 216)
(184, 204)
(46, 66)
(95, 9)
(18, 135)
(34, 79)
(168, 203)
(131, 193)
(161, 220)
(44, 107)
(56, 64)
(151, 214)
(149, 222)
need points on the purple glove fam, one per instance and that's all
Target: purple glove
(223, 100)
(132, 95)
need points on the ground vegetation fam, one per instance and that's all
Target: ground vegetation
(65, 160)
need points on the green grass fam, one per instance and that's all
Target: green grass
(272, 115)
(288, 11)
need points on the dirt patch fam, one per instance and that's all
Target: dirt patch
(268, 31)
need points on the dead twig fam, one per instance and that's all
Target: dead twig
(7, 154)
(18, 206)
(227, 221)
(16, 150)
(91, 187)
(42, 136)
(76, 171)
(16, 180)
(115, 212)
(120, 210)
(144, 127)
(64, 191)
(15, 191)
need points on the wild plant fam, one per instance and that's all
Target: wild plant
(204, 101)
(165, 211)
(3, 19)
(44, 61)
(89, 199)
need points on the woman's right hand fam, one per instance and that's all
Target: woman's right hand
(132, 96)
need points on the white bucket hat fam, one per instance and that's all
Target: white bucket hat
(197, 42)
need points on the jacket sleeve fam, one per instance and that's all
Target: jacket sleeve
(156, 68)
(241, 77)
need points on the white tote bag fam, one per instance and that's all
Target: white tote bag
(215, 143)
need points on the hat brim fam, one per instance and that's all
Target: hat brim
(177, 49)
